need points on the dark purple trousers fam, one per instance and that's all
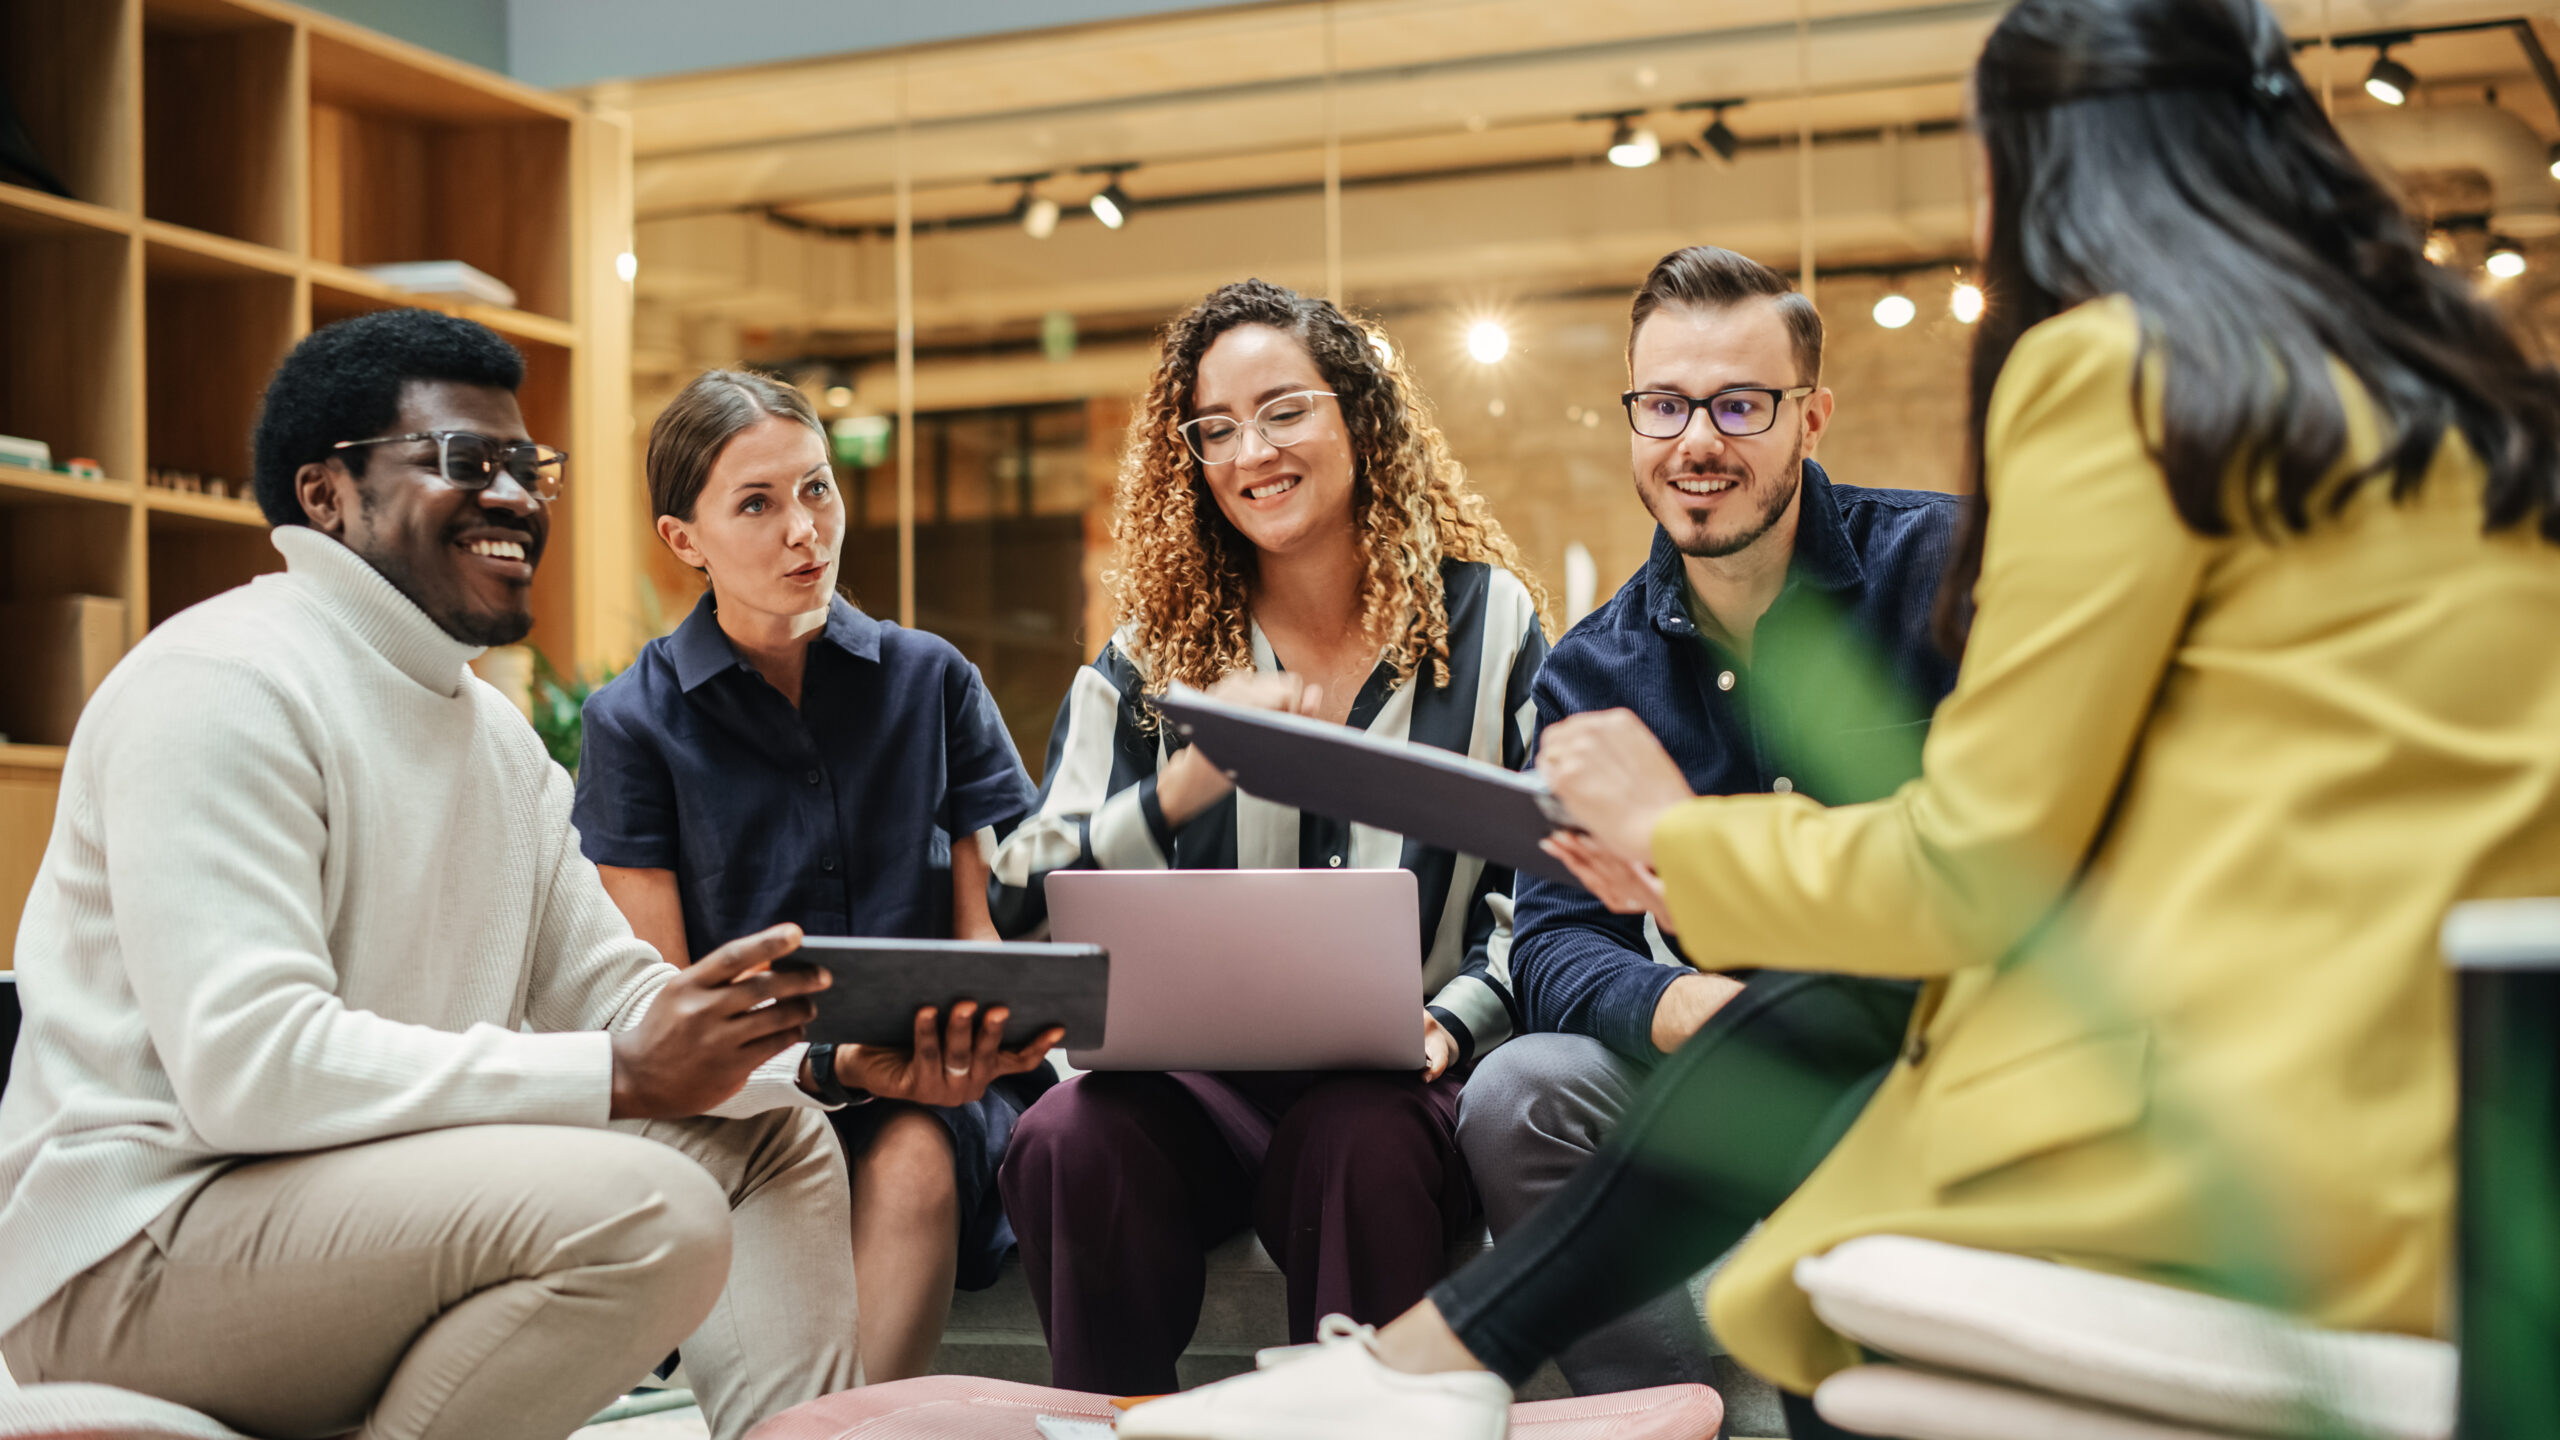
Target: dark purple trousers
(1118, 1184)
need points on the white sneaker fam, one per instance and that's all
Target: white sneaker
(1340, 1391)
(1272, 1357)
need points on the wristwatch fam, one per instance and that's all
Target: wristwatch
(823, 1081)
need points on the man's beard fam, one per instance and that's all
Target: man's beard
(1781, 495)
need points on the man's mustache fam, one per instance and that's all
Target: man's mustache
(1704, 472)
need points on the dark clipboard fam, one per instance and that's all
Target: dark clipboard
(880, 984)
(1418, 791)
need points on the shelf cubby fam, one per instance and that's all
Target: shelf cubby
(220, 123)
(214, 331)
(68, 65)
(60, 541)
(199, 547)
(430, 171)
(68, 371)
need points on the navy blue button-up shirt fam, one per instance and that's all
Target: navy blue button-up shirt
(1833, 702)
(839, 815)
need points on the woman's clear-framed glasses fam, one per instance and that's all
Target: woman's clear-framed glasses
(468, 461)
(1741, 411)
(1283, 421)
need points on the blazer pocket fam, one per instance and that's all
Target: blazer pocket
(2057, 1097)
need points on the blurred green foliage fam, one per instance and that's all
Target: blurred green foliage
(559, 707)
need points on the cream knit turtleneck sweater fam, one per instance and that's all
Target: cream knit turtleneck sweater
(310, 884)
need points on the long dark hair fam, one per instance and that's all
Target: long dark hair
(2167, 151)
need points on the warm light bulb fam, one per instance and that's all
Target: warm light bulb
(1895, 311)
(1040, 217)
(2389, 81)
(839, 396)
(2504, 262)
(1488, 342)
(1634, 149)
(627, 265)
(1965, 302)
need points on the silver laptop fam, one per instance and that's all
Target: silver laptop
(1250, 969)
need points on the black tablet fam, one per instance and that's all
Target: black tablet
(1419, 791)
(880, 984)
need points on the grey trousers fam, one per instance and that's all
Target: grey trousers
(492, 1282)
(1532, 1113)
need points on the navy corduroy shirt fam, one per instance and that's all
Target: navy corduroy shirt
(839, 815)
(1833, 702)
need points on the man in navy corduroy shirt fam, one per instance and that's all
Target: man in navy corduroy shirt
(1777, 639)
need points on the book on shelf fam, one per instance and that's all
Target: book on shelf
(449, 278)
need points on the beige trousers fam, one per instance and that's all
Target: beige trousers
(496, 1282)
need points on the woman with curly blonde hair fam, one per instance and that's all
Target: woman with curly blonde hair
(1295, 535)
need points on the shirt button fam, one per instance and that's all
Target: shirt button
(1334, 860)
(1783, 785)
(828, 864)
(812, 777)
(1724, 680)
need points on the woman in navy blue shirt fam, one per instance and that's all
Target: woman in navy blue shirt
(784, 757)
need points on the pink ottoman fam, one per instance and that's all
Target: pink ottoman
(960, 1407)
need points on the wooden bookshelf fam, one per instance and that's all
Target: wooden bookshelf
(232, 164)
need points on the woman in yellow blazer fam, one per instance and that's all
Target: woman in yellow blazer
(2262, 676)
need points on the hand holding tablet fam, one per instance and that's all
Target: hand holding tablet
(880, 985)
(951, 1059)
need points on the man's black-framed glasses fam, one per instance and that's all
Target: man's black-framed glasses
(469, 461)
(1740, 411)
(1283, 421)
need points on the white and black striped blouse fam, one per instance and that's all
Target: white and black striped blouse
(1098, 807)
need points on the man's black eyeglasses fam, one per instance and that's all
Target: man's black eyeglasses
(1743, 410)
(472, 462)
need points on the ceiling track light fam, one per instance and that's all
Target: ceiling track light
(1036, 213)
(1717, 142)
(2389, 81)
(1111, 205)
(1719, 138)
(2553, 159)
(1896, 309)
(1633, 146)
(2505, 259)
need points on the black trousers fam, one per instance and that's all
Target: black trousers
(1723, 1131)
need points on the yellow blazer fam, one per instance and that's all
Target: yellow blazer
(2173, 868)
